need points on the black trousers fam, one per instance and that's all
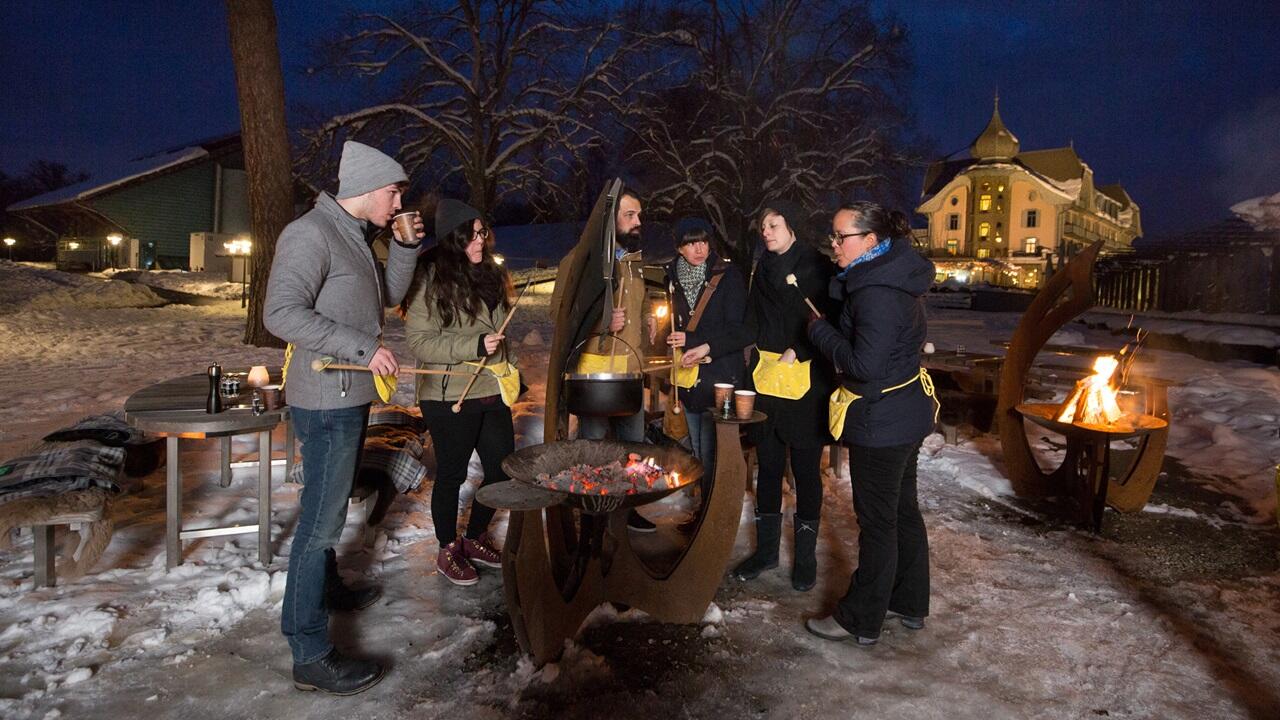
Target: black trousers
(481, 427)
(806, 468)
(893, 549)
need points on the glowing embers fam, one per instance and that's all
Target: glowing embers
(637, 475)
(1094, 399)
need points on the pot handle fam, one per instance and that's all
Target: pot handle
(577, 348)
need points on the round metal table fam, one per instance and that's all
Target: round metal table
(175, 409)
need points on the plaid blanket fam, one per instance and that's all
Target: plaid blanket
(53, 472)
(392, 447)
(108, 429)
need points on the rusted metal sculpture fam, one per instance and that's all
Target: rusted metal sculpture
(1068, 293)
(560, 563)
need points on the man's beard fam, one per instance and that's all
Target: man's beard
(630, 241)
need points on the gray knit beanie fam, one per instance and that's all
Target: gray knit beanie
(364, 169)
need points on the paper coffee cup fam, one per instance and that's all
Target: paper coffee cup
(744, 403)
(404, 224)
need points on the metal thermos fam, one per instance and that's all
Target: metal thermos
(214, 402)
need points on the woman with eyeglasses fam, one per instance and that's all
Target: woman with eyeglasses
(792, 382)
(457, 301)
(883, 410)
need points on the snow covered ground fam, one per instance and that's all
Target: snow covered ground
(1173, 612)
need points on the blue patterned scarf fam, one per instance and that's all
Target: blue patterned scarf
(876, 251)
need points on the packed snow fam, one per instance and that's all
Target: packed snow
(1173, 612)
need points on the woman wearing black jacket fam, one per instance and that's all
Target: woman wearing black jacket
(876, 350)
(694, 275)
(795, 426)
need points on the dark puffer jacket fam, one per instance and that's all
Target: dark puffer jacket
(882, 326)
(775, 321)
(718, 327)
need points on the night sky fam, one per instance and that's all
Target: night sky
(1178, 101)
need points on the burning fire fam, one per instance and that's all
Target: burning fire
(1093, 401)
(637, 475)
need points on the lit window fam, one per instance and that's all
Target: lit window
(984, 203)
(999, 239)
(953, 222)
(1000, 187)
(984, 229)
(986, 186)
(1033, 218)
(952, 247)
(1029, 245)
(983, 252)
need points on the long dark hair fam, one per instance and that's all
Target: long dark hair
(873, 217)
(458, 286)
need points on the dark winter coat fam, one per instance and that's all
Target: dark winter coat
(719, 327)
(775, 320)
(882, 327)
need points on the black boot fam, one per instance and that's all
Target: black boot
(339, 597)
(768, 531)
(804, 571)
(337, 675)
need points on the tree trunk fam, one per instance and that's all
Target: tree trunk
(260, 87)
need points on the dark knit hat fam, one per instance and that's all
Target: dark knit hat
(450, 214)
(790, 211)
(692, 225)
(364, 169)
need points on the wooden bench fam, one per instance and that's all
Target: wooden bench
(87, 515)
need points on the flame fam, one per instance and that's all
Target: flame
(1094, 400)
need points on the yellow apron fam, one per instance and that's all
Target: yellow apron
(385, 385)
(779, 379)
(840, 400)
(595, 363)
(508, 376)
(686, 377)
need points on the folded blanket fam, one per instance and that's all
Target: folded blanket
(53, 472)
(392, 447)
(109, 429)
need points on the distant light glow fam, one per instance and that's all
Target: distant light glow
(10, 241)
(114, 239)
(499, 260)
(239, 246)
(73, 245)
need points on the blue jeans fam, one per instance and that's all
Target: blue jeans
(702, 439)
(331, 444)
(628, 428)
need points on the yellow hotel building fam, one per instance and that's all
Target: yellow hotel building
(1002, 215)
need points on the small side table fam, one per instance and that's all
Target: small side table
(175, 410)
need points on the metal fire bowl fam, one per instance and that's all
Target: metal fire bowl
(527, 463)
(1046, 415)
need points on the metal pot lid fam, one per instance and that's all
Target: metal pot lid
(607, 377)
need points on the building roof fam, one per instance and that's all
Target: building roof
(129, 172)
(1116, 192)
(1056, 163)
(996, 141)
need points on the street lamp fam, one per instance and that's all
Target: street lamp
(9, 243)
(240, 247)
(114, 239)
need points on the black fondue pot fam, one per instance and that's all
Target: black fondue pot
(611, 394)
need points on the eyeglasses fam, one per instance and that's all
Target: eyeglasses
(841, 237)
(482, 233)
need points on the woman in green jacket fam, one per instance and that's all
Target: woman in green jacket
(458, 300)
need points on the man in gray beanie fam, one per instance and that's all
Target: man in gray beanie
(325, 297)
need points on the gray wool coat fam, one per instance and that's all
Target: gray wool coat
(326, 296)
